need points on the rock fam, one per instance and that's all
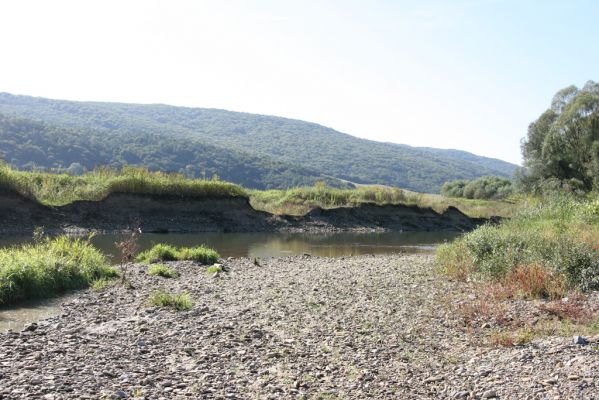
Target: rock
(119, 394)
(489, 394)
(580, 340)
(30, 328)
(462, 394)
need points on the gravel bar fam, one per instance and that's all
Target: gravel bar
(298, 327)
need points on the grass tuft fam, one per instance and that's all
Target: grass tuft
(180, 302)
(164, 252)
(162, 270)
(50, 266)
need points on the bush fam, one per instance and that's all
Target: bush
(558, 236)
(164, 252)
(486, 187)
(48, 267)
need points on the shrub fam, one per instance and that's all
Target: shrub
(50, 266)
(178, 301)
(544, 250)
(486, 187)
(162, 270)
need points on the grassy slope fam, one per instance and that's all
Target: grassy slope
(313, 146)
(61, 189)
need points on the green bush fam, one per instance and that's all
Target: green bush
(164, 252)
(48, 267)
(560, 235)
(486, 187)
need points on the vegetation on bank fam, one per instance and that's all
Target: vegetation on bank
(60, 189)
(164, 252)
(50, 266)
(548, 248)
(486, 187)
(299, 201)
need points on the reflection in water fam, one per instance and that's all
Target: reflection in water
(280, 244)
(260, 245)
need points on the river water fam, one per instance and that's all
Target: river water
(259, 245)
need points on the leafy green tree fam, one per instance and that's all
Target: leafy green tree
(562, 145)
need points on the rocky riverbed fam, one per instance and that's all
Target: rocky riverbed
(298, 327)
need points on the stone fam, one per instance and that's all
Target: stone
(489, 394)
(580, 340)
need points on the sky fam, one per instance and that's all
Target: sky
(467, 75)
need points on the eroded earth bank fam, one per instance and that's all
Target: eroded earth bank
(118, 212)
(299, 327)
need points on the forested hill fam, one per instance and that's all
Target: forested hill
(157, 136)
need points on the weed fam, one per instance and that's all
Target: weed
(162, 270)
(180, 302)
(214, 269)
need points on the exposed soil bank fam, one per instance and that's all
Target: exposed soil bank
(383, 327)
(119, 212)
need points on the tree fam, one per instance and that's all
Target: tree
(563, 143)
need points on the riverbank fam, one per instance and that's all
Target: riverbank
(121, 212)
(369, 326)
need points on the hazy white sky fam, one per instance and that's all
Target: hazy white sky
(458, 74)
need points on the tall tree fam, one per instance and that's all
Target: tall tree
(563, 143)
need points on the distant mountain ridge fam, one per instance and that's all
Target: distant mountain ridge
(285, 152)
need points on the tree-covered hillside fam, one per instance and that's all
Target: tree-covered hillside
(28, 144)
(319, 149)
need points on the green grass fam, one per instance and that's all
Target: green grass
(49, 267)
(60, 189)
(178, 301)
(299, 201)
(548, 244)
(164, 252)
(213, 269)
(162, 270)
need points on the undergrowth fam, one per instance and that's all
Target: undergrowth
(548, 248)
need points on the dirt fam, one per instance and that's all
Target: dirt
(163, 214)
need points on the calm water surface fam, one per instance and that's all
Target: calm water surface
(260, 245)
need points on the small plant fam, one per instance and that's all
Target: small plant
(128, 247)
(214, 269)
(159, 252)
(100, 284)
(178, 301)
(162, 270)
